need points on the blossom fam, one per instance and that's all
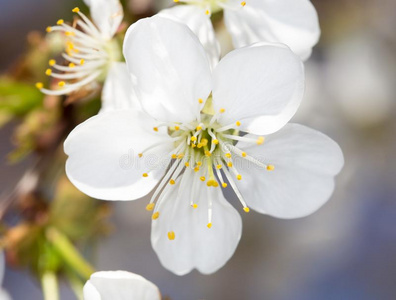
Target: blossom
(220, 128)
(291, 22)
(119, 285)
(90, 48)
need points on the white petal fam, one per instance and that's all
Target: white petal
(119, 285)
(117, 91)
(305, 161)
(107, 15)
(261, 86)
(169, 67)
(195, 245)
(103, 155)
(196, 19)
(4, 295)
(292, 22)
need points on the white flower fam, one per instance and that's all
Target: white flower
(195, 117)
(119, 285)
(291, 22)
(3, 293)
(90, 48)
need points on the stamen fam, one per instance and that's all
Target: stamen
(243, 3)
(195, 205)
(150, 206)
(209, 225)
(246, 209)
(171, 235)
(60, 22)
(48, 72)
(145, 175)
(155, 215)
(48, 29)
(270, 167)
(76, 10)
(52, 62)
(39, 85)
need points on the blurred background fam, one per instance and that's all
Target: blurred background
(347, 250)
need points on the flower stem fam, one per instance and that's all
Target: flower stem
(69, 253)
(49, 284)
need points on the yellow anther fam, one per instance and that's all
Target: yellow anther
(216, 142)
(174, 156)
(270, 167)
(199, 128)
(204, 141)
(193, 138)
(145, 175)
(239, 177)
(155, 215)
(61, 83)
(207, 12)
(200, 100)
(196, 169)
(193, 145)
(60, 22)
(48, 72)
(228, 155)
(215, 183)
(210, 182)
(155, 129)
(39, 85)
(76, 50)
(48, 29)
(199, 163)
(202, 178)
(195, 205)
(237, 123)
(207, 153)
(76, 10)
(199, 145)
(187, 164)
(243, 3)
(209, 225)
(260, 140)
(52, 62)
(70, 45)
(171, 235)
(224, 185)
(150, 206)
(177, 128)
(219, 167)
(140, 154)
(71, 65)
(180, 156)
(222, 110)
(175, 1)
(243, 154)
(82, 61)
(172, 181)
(246, 209)
(229, 164)
(70, 33)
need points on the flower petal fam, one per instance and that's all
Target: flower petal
(169, 67)
(107, 15)
(305, 161)
(195, 245)
(117, 91)
(292, 22)
(119, 285)
(196, 19)
(103, 155)
(261, 86)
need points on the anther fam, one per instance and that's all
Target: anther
(175, 1)
(218, 167)
(155, 215)
(202, 178)
(246, 209)
(145, 175)
(61, 83)
(174, 156)
(260, 140)
(216, 142)
(193, 138)
(204, 141)
(171, 235)
(228, 155)
(172, 181)
(140, 154)
(180, 156)
(70, 33)
(155, 129)
(48, 29)
(196, 169)
(239, 177)
(52, 62)
(243, 154)
(243, 3)
(222, 110)
(82, 61)
(199, 163)
(60, 22)
(187, 164)
(39, 85)
(199, 145)
(72, 65)
(270, 167)
(209, 225)
(229, 164)
(76, 10)
(200, 100)
(224, 185)
(199, 128)
(207, 153)
(48, 72)
(150, 206)
(195, 205)
(177, 128)
(207, 12)
(237, 123)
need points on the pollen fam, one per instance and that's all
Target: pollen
(39, 85)
(222, 110)
(243, 3)
(155, 129)
(172, 182)
(237, 123)
(195, 205)
(60, 22)
(243, 154)
(200, 100)
(209, 225)
(229, 164)
(193, 138)
(228, 155)
(171, 235)
(82, 61)
(239, 177)
(187, 164)
(76, 10)
(61, 83)
(155, 215)
(150, 206)
(48, 29)
(52, 62)
(207, 153)
(145, 175)
(72, 65)
(224, 185)
(260, 140)
(177, 128)
(48, 72)
(216, 142)
(218, 167)
(246, 209)
(202, 178)
(270, 167)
